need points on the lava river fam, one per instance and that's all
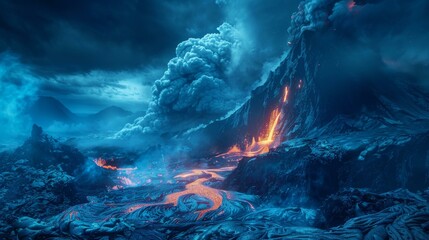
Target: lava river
(270, 139)
(139, 204)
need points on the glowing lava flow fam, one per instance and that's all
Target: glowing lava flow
(196, 187)
(271, 139)
(198, 177)
(103, 164)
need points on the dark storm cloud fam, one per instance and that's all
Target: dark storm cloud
(97, 89)
(77, 36)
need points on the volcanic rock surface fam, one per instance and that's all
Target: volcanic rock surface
(36, 180)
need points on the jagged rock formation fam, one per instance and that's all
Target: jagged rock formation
(305, 171)
(43, 150)
(36, 180)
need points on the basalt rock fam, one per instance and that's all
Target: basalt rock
(43, 150)
(36, 180)
(305, 171)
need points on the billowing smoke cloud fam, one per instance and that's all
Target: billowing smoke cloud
(18, 86)
(198, 85)
(212, 75)
(395, 29)
(263, 26)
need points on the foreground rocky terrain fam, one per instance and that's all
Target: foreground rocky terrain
(37, 180)
(304, 171)
(305, 189)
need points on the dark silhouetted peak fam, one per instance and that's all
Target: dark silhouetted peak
(47, 110)
(112, 111)
(43, 151)
(36, 132)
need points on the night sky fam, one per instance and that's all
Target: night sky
(93, 54)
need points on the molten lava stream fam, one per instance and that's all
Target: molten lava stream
(103, 164)
(265, 141)
(196, 187)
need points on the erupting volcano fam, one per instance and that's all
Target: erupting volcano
(246, 133)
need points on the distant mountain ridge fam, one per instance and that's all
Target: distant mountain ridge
(47, 111)
(112, 111)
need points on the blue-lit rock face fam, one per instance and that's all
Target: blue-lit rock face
(344, 157)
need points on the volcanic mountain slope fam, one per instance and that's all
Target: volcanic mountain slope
(47, 110)
(348, 123)
(327, 94)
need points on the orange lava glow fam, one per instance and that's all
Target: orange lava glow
(196, 178)
(286, 93)
(196, 187)
(103, 164)
(266, 140)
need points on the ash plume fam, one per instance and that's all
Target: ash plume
(18, 86)
(398, 35)
(197, 85)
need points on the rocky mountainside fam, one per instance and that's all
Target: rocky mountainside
(345, 127)
(305, 171)
(328, 93)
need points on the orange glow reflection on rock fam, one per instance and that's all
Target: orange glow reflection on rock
(103, 164)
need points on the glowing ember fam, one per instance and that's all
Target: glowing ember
(103, 164)
(285, 95)
(196, 187)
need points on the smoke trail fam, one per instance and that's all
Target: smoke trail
(18, 87)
